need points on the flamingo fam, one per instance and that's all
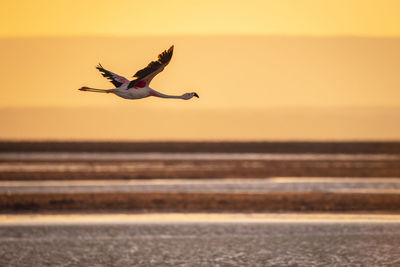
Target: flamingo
(139, 87)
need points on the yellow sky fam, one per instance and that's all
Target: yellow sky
(227, 72)
(155, 17)
(284, 69)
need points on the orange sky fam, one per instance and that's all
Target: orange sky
(227, 72)
(244, 58)
(154, 17)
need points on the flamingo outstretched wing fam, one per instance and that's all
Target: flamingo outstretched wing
(144, 76)
(115, 79)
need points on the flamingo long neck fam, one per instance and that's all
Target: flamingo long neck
(158, 94)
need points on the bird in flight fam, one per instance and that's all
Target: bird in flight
(139, 87)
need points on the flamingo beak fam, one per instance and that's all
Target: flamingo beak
(196, 95)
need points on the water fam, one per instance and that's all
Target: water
(205, 244)
(293, 184)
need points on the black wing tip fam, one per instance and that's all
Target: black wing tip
(171, 50)
(99, 66)
(166, 55)
(163, 58)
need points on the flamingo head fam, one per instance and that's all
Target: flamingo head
(188, 96)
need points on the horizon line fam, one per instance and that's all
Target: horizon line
(202, 109)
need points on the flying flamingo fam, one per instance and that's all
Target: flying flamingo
(139, 87)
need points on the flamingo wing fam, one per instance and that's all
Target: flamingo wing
(144, 76)
(114, 78)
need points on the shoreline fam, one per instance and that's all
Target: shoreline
(315, 147)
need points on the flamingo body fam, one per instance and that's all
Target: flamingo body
(132, 93)
(139, 87)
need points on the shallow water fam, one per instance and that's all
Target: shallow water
(205, 244)
(351, 185)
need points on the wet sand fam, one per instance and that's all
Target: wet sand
(361, 147)
(150, 165)
(223, 195)
(39, 165)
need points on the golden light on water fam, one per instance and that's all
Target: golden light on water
(197, 218)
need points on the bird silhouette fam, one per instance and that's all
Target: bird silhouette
(139, 87)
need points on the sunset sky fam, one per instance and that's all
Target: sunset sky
(284, 69)
(155, 17)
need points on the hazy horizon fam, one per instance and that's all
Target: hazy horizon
(130, 124)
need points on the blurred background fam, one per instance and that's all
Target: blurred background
(265, 70)
(296, 129)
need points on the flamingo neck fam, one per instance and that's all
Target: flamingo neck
(158, 94)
